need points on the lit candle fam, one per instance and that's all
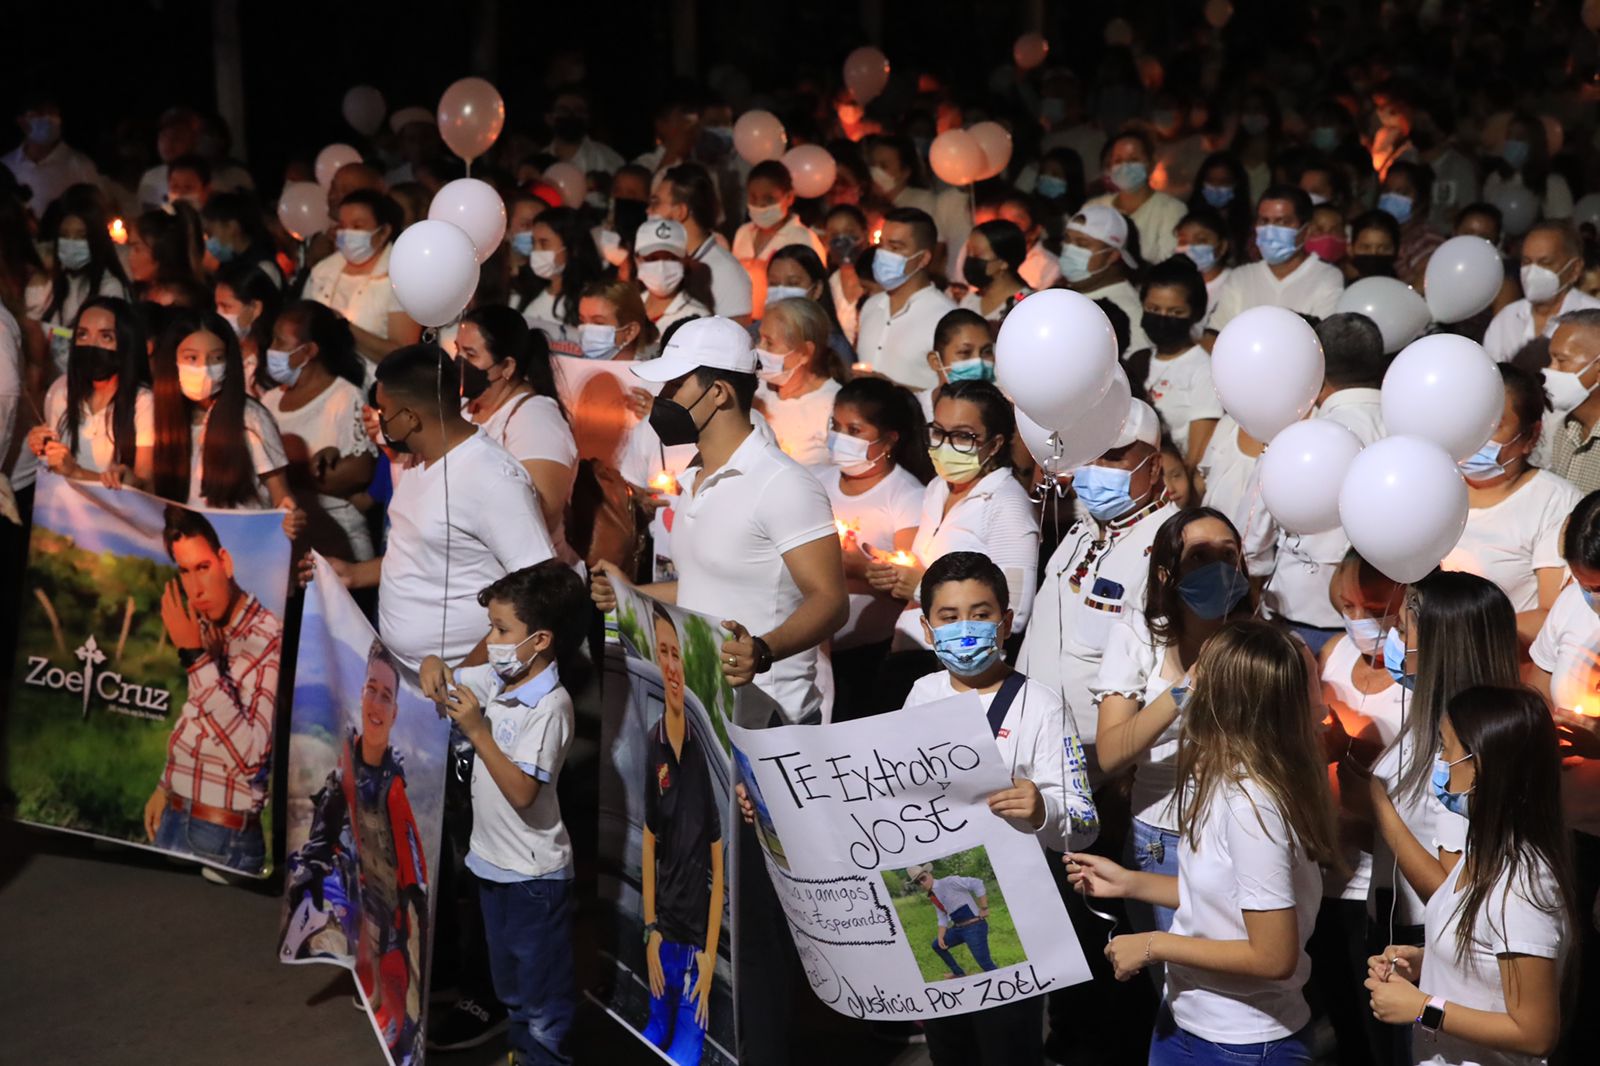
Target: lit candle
(845, 529)
(119, 232)
(860, 368)
(664, 482)
(903, 558)
(877, 235)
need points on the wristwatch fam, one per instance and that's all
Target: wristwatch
(763, 655)
(649, 927)
(1432, 1016)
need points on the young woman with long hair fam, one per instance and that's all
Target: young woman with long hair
(86, 264)
(564, 262)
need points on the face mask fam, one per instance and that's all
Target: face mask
(522, 243)
(1075, 262)
(503, 657)
(1454, 802)
(1394, 659)
(967, 649)
(975, 271)
(674, 423)
(1373, 266)
(1317, 199)
(474, 380)
(1278, 244)
(770, 368)
(1591, 599)
(280, 369)
(958, 468)
(1129, 176)
(1106, 492)
(1166, 331)
(42, 129)
(1540, 284)
(1365, 633)
(852, 455)
(200, 382)
(1515, 153)
(1483, 464)
(1324, 138)
(222, 253)
(661, 276)
(569, 129)
(609, 244)
(233, 320)
(1255, 125)
(889, 269)
(1328, 247)
(842, 247)
(355, 244)
(882, 180)
(775, 293)
(766, 217)
(597, 341)
(393, 443)
(72, 252)
(1052, 109)
(1050, 187)
(101, 363)
(1566, 389)
(1211, 591)
(542, 261)
(1218, 196)
(970, 370)
(1204, 256)
(1396, 205)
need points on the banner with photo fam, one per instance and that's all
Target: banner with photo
(906, 896)
(666, 830)
(146, 678)
(365, 810)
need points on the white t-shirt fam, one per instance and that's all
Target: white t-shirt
(1511, 921)
(729, 537)
(533, 725)
(1227, 469)
(1133, 666)
(792, 231)
(893, 504)
(973, 301)
(1235, 866)
(897, 345)
(801, 423)
(1156, 220)
(61, 168)
(1510, 541)
(531, 428)
(97, 444)
(682, 306)
(544, 313)
(492, 527)
(366, 300)
(1180, 390)
(1512, 327)
(1213, 291)
(730, 285)
(1567, 648)
(996, 518)
(332, 419)
(1037, 740)
(1126, 297)
(1370, 716)
(260, 436)
(1420, 814)
(1312, 288)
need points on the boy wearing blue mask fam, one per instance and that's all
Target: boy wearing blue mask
(1286, 275)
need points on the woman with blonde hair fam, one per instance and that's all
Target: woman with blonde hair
(799, 377)
(613, 324)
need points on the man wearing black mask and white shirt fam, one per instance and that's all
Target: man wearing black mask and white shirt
(755, 546)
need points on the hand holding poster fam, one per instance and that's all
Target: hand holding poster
(147, 672)
(906, 896)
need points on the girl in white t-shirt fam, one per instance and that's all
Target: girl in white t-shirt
(1255, 821)
(317, 406)
(1177, 381)
(1487, 989)
(798, 378)
(991, 266)
(769, 192)
(354, 281)
(562, 256)
(87, 264)
(1196, 585)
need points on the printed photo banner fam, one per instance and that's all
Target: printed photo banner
(666, 831)
(906, 896)
(147, 672)
(367, 764)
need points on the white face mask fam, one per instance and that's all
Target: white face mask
(356, 244)
(766, 217)
(1540, 284)
(1566, 389)
(852, 455)
(770, 368)
(542, 261)
(200, 382)
(881, 179)
(233, 320)
(597, 341)
(609, 242)
(661, 276)
(776, 293)
(503, 657)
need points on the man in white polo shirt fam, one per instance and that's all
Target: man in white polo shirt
(897, 324)
(687, 195)
(1552, 263)
(1286, 275)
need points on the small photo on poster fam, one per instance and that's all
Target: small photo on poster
(955, 916)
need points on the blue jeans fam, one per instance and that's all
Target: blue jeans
(237, 849)
(528, 926)
(1172, 1046)
(672, 1026)
(1154, 851)
(975, 936)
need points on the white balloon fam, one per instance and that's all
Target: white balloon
(1055, 355)
(1301, 472)
(572, 182)
(434, 270)
(1587, 210)
(1519, 207)
(1444, 389)
(1087, 438)
(331, 158)
(475, 208)
(1464, 275)
(1399, 310)
(1403, 505)
(364, 108)
(1267, 369)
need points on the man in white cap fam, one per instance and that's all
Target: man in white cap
(755, 545)
(1286, 275)
(661, 258)
(1095, 261)
(897, 324)
(1100, 568)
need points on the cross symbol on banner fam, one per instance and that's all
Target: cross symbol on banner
(92, 656)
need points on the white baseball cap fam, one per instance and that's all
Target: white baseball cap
(718, 343)
(1141, 425)
(1104, 224)
(659, 233)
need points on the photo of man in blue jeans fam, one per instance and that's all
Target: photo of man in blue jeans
(962, 906)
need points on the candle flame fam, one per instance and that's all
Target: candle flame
(845, 529)
(119, 232)
(663, 481)
(903, 558)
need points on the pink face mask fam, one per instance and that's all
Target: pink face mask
(1328, 247)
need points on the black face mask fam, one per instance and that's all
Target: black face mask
(1373, 266)
(975, 271)
(570, 128)
(628, 215)
(842, 248)
(102, 363)
(473, 380)
(1166, 331)
(674, 423)
(396, 445)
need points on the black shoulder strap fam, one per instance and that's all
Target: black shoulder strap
(1002, 700)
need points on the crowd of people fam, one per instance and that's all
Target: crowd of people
(1329, 813)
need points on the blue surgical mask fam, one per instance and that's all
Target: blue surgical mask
(784, 292)
(1075, 262)
(1130, 176)
(1211, 591)
(970, 370)
(1203, 255)
(1515, 153)
(597, 341)
(967, 649)
(1106, 491)
(222, 253)
(1396, 205)
(1394, 659)
(279, 367)
(42, 129)
(1218, 196)
(72, 252)
(1365, 633)
(889, 269)
(1454, 802)
(1592, 598)
(1278, 244)
(1484, 464)
(1324, 138)
(356, 244)
(1050, 187)
(522, 243)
